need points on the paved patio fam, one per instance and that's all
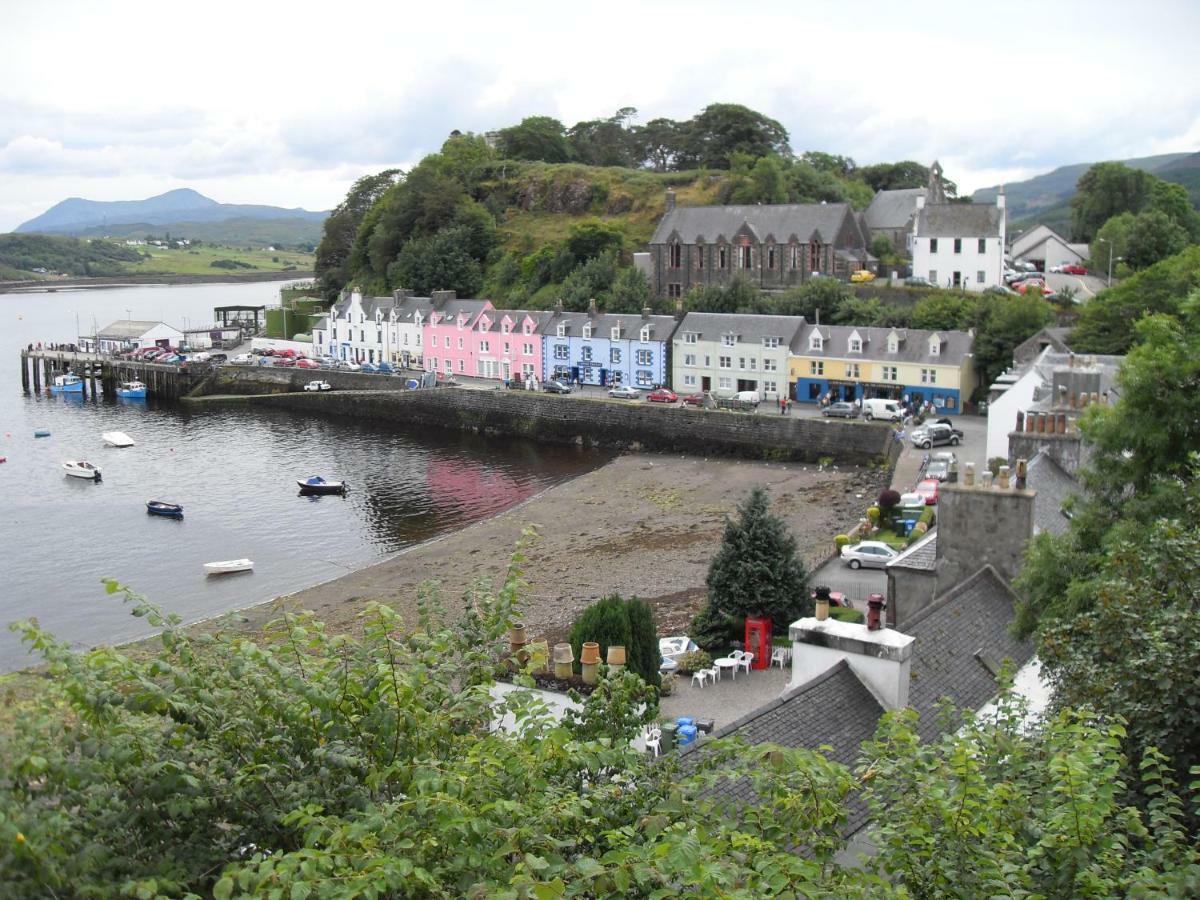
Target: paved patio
(727, 700)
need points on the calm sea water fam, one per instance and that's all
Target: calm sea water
(234, 473)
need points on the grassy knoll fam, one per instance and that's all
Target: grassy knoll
(199, 261)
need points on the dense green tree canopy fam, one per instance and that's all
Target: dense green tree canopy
(536, 138)
(1151, 238)
(722, 129)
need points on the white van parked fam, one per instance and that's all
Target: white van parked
(877, 408)
(748, 397)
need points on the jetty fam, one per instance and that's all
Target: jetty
(165, 380)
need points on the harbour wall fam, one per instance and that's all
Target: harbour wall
(612, 424)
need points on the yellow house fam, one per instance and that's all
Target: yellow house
(848, 362)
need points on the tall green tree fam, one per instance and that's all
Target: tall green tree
(722, 129)
(537, 138)
(341, 228)
(1152, 237)
(945, 311)
(893, 176)
(440, 262)
(1002, 324)
(1105, 190)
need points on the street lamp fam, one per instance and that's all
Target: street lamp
(1110, 259)
(128, 326)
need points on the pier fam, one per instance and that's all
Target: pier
(165, 380)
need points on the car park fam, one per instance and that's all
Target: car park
(662, 395)
(936, 434)
(1074, 269)
(862, 275)
(840, 410)
(625, 392)
(243, 359)
(868, 555)
(318, 386)
(554, 386)
(928, 489)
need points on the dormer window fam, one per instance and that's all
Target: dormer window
(645, 336)
(506, 327)
(935, 346)
(855, 345)
(528, 328)
(587, 332)
(893, 344)
(729, 340)
(815, 342)
(616, 333)
(562, 329)
(690, 337)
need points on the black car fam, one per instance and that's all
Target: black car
(555, 387)
(936, 435)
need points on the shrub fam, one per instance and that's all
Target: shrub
(995, 463)
(630, 623)
(873, 514)
(694, 661)
(840, 541)
(712, 629)
(845, 614)
(926, 518)
(888, 499)
(669, 683)
(642, 655)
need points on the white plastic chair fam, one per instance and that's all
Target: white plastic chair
(714, 674)
(779, 655)
(654, 740)
(744, 658)
(700, 675)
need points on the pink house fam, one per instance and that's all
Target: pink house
(451, 345)
(509, 345)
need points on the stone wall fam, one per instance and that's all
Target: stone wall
(977, 526)
(1067, 450)
(613, 424)
(271, 380)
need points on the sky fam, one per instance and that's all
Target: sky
(287, 103)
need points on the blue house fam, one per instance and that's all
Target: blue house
(607, 349)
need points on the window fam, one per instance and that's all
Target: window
(614, 355)
(770, 342)
(933, 245)
(379, 335)
(814, 341)
(770, 387)
(587, 332)
(983, 245)
(585, 353)
(725, 383)
(644, 378)
(770, 365)
(933, 277)
(615, 334)
(675, 258)
(814, 257)
(689, 380)
(462, 365)
(645, 357)
(855, 345)
(852, 370)
(770, 257)
(689, 337)
(418, 341)
(562, 329)
(724, 362)
(753, 363)
(816, 367)
(958, 245)
(674, 290)
(980, 277)
(700, 257)
(707, 361)
(562, 351)
(460, 343)
(929, 376)
(405, 341)
(484, 347)
(335, 332)
(433, 364)
(526, 371)
(689, 359)
(745, 258)
(528, 328)
(723, 257)
(527, 349)
(729, 340)
(889, 373)
(506, 327)
(644, 337)
(795, 258)
(893, 343)
(506, 348)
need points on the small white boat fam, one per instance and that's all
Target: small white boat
(229, 565)
(81, 469)
(117, 439)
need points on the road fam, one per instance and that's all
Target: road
(1085, 286)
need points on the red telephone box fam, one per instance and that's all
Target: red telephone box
(758, 642)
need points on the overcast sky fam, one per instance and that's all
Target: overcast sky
(286, 103)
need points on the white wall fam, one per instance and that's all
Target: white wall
(279, 344)
(969, 261)
(1002, 414)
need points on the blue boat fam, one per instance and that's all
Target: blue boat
(67, 384)
(131, 390)
(169, 510)
(317, 485)
(41, 432)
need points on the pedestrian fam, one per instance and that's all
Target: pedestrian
(788, 407)
(782, 405)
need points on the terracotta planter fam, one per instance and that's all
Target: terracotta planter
(564, 658)
(589, 653)
(616, 655)
(516, 634)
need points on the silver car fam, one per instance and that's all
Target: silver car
(868, 554)
(625, 393)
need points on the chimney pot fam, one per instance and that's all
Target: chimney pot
(1062, 423)
(670, 200)
(1004, 473)
(679, 309)
(1022, 472)
(1020, 420)
(645, 312)
(592, 307)
(875, 604)
(969, 474)
(985, 479)
(1095, 397)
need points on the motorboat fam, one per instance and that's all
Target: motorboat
(168, 510)
(67, 384)
(318, 485)
(228, 566)
(81, 469)
(131, 390)
(41, 432)
(117, 439)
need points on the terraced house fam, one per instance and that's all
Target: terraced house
(508, 345)
(726, 353)
(374, 329)
(847, 362)
(451, 345)
(607, 348)
(775, 247)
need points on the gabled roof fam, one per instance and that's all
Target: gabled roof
(451, 309)
(1054, 485)
(913, 346)
(322, 324)
(518, 316)
(967, 220)
(129, 328)
(784, 221)
(920, 556)
(892, 209)
(631, 324)
(712, 326)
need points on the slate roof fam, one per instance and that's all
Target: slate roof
(517, 316)
(450, 309)
(127, 328)
(322, 324)
(921, 556)
(782, 222)
(892, 209)
(913, 346)
(661, 327)
(970, 220)
(1053, 485)
(751, 329)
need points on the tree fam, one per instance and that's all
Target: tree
(441, 262)
(1105, 190)
(756, 571)
(537, 138)
(1111, 242)
(842, 166)
(340, 229)
(722, 129)
(660, 143)
(812, 299)
(630, 624)
(737, 295)
(945, 311)
(605, 142)
(630, 292)
(1002, 323)
(593, 238)
(1152, 237)
(894, 176)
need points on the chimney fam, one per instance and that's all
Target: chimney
(1000, 198)
(920, 202)
(881, 658)
(441, 298)
(817, 316)
(670, 200)
(645, 312)
(679, 309)
(401, 294)
(558, 308)
(1022, 473)
(969, 475)
(592, 307)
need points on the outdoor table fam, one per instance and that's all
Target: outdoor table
(726, 662)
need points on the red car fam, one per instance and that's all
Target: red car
(662, 395)
(1024, 286)
(1074, 269)
(284, 361)
(929, 490)
(303, 363)
(694, 399)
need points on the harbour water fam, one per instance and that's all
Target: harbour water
(233, 471)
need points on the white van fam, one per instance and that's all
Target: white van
(748, 397)
(882, 409)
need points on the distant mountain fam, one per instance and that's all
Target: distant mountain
(241, 232)
(77, 216)
(1184, 171)
(1044, 198)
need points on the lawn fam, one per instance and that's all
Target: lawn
(199, 261)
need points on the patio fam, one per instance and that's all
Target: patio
(727, 700)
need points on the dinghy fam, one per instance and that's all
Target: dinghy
(227, 566)
(169, 510)
(41, 432)
(117, 439)
(131, 390)
(318, 485)
(81, 469)
(67, 384)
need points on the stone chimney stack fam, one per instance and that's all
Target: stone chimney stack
(558, 307)
(882, 659)
(988, 521)
(401, 294)
(645, 312)
(592, 308)
(441, 298)
(679, 313)
(670, 201)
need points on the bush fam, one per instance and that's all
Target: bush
(845, 614)
(669, 684)
(840, 541)
(926, 518)
(629, 623)
(693, 661)
(712, 629)
(642, 655)
(873, 514)
(888, 499)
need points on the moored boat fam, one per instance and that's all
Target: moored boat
(41, 432)
(81, 469)
(67, 384)
(131, 390)
(169, 510)
(318, 485)
(117, 439)
(227, 566)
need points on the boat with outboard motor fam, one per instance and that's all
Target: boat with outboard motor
(318, 485)
(131, 390)
(81, 469)
(228, 566)
(67, 384)
(167, 510)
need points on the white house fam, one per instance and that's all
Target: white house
(959, 244)
(375, 329)
(726, 353)
(1045, 248)
(129, 334)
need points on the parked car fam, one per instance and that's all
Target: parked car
(1002, 290)
(243, 359)
(555, 387)
(352, 366)
(862, 275)
(318, 386)
(840, 410)
(386, 368)
(662, 395)
(882, 408)
(219, 357)
(938, 469)
(307, 364)
(694, 399)
(936, 434)
(625, 392)
(917, 281)
(928, 488)
(1057, 270)
(200, 357)
(285, 361)
(868, 554)
(1074, 269)
(370, 367)
(1029, 284)
(289, 352)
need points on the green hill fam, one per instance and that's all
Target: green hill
(262, 233)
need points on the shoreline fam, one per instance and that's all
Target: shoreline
(32, 287)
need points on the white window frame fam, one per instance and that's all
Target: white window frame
(645, 335)
(729, 340)
(689, 380)
(615, 333)
(562, 329)
(815, 341)
(771, 343)
(587, 331)
(724, 362)
(690, 337)
(725, 384)
(816, 367)
(689, 359)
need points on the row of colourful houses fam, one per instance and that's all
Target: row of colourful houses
(696, 352)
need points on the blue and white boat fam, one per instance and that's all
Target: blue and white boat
(131, 390)
(67, 384)
(159, 508)
(318, 485)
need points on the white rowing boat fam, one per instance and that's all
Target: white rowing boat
(81, 469)
(229, 565)
(117, 439)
